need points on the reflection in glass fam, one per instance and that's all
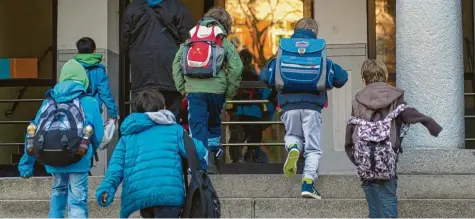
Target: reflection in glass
(258, 27)
(386, 34)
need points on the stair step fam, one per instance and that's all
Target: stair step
(277, 186)
(273, 208)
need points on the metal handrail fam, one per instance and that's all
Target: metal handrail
(13, 122)
(20, 100)
(12, 144)
(253, 123)
(277, 144)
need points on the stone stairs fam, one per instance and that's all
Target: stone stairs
(274, 196)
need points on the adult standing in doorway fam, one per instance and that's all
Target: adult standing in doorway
(152, 31)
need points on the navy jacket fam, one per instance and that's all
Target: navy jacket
(316, 102)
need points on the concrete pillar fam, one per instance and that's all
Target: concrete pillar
(429, 66)
(98, 19)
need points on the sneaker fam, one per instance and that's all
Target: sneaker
(309, 190)
(290, 166)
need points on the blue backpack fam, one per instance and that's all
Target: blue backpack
(301, 65)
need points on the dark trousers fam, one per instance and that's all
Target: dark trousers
(161, 212)
(205, 118)
(241, 133)
(172, 102)
(381, 198)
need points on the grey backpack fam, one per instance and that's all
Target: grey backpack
(373, 152)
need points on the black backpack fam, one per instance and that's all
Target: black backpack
(201, 199)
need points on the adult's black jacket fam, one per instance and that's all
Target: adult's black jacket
(151, 49)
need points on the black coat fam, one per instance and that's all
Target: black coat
(151, 50)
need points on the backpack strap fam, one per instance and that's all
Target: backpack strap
(395, 113)
(163, 17)
(88, 69)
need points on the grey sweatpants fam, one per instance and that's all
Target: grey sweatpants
(304, 126)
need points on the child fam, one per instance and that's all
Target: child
(147, 160)
(303, 121)
(70, 182)
(96, 72)
(374, 103)
(207, 96)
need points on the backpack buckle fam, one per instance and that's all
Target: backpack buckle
(301, 51)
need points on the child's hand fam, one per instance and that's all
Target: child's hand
(104, 198)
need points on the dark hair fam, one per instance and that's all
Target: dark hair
(149, 100)
(85, 45)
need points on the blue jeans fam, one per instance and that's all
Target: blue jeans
(204, 118)
(69, 189)
(382, 199)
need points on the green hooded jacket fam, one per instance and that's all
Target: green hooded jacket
(226, 82)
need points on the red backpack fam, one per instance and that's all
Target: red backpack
(203, 53)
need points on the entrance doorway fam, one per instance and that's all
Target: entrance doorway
(258, 26)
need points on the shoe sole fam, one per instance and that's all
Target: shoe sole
(290, 166)
(310, 195)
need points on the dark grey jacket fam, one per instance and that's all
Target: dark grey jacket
(151, 49)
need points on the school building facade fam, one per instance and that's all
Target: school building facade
(432, 60)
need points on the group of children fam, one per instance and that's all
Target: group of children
(148, 157)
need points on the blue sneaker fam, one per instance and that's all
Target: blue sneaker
(290, 166)
(309, 190)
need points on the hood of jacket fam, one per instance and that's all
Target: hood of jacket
(66, 91)
(89, 59)
(154, 2)
(378, 95)
(139, 122)
(206, 20)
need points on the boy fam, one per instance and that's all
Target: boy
(374, 103)
(147, 161)
(207, 96)
(96, 73)
(303, 121)
(70, 182)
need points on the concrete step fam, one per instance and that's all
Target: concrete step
(277, 186)
(274, 208)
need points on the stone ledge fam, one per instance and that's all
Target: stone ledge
(277, 186)
(231, 208)
(274, 208)
(437, 162)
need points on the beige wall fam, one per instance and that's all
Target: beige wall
(25, 31)
(343, 24)
(77, 19)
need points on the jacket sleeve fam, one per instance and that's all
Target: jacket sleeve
(183, 21)
(94, 118)
(233, 69)
(200, 150)
(105, 93)
(349, 140)
(177, 71)
(340, 76)
(25, 166)
(114, 174)
(126, 32)
(412, 116)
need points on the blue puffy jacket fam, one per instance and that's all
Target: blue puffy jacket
(148, 162)
(67, 91)
(98, 82)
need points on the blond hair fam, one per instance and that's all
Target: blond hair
(374, 71)
(307, 24)
(222, 16)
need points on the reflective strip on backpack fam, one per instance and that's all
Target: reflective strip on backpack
(322, 82)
